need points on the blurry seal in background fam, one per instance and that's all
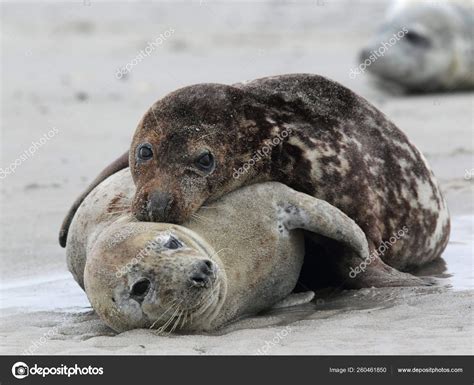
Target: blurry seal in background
(423, 46)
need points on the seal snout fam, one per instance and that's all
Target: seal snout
(202, 273)
(158, 206)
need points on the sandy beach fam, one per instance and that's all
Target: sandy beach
(59, 79)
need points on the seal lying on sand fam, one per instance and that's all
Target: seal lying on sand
(312, 134)
(435, 54)
(240, 256)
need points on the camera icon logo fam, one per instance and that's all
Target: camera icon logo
(20, 370)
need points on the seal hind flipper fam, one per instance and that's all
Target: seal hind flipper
(117, 165)
(378, 274)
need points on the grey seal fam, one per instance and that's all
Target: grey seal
(435, 51)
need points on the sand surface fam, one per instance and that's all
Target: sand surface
(59, 62)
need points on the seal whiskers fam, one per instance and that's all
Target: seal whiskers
(201, 217)
(173, 302)
(163, 328)
(176, 322)
(197, 219)
(184, 318)
(208, 302)
(221, 250)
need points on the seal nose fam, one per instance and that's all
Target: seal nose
(202, 273)
(158, 205)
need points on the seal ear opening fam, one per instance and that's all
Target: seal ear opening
(117, 165)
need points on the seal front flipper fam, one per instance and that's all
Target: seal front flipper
(356, 267)
(295, 299)
(117, 165)
(302, 211)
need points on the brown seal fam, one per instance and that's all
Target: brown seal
(310, 133)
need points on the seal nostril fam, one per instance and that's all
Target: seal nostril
(199, 279)
(203, 271)
(140, 288)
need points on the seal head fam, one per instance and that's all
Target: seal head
(156, 276)
(186, 146)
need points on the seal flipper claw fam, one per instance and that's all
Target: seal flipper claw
(295, 299)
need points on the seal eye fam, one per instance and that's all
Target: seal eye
(205, 162)
(145, 152)
(140, 288)
(417, 39)
(173, 244)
